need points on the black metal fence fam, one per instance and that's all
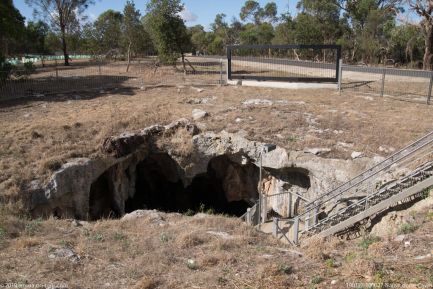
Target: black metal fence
(405, 84)
(93, 75)
(291, 63)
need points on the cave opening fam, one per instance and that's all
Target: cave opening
(225, 188)
(158, 185)
(102, 203)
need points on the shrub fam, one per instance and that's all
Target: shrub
(316, 280)
(28, 69)
(5, 70)
(286, 269)
(367, 241)
(407, 228)
(2, 233)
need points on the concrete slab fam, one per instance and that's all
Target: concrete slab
(287, 85)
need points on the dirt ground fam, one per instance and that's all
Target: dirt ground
(205, 251)
(41, 133)
(38, 135)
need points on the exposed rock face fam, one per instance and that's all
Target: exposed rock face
(135, 166)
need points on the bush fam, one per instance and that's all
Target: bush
(28, 69)
(367, 241)
(5, 70)
(407, 228)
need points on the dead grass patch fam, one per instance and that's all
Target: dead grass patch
(146, 283)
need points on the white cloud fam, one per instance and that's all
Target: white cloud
(187, 15)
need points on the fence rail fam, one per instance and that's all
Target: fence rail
(54, 78)
(405, 84)
(284, 62)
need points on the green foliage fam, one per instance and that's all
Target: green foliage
(252, 11)
(367, 241)
(135, 38)
(330, 263)
(5, 70)
(350, 257)
(32, 227)
(64, 16)
(2, 233)
(107, 32)
(168, 29)
(316, 280)
(366, 29)
(285, 269)
(119, 236)
(257, 34)
(164, 238)
(36, 34)
(407, 228)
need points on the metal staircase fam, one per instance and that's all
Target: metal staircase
(404, 175)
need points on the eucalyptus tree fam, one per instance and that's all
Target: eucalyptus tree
(64, 16)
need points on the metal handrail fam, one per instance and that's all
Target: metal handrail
(366, 198)
(288, 193)
(371, 173)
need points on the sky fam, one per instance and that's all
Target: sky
(197, 11)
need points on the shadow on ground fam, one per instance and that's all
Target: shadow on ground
(64, 88)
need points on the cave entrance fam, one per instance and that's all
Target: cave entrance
(225, 188)
(158, 186)
(101, 200)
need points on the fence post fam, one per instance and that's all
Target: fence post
(382, 90)
(99, 67)
(340, 74)
(296, 230)
(307, 220)
(289, 206)
(221, 71)
(229, 63)
(57, 70)
(264, 209)
(275, 227)
(430, 88)
(315, 212)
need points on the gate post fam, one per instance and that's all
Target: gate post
(229, 63)
(430, 88)
(221, 72)
(340, 74)
(382, 90)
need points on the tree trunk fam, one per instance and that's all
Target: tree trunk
(64, 46)
(428, 52)
(129, 56)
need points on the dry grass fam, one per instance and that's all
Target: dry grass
(143, 254)
(38, 136)
(182, 252)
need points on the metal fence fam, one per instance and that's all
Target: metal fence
(297, 63)
(413, 85)
(92, 75)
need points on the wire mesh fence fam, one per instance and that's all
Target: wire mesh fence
(412, 85)
(307, 63)
(88, 74)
